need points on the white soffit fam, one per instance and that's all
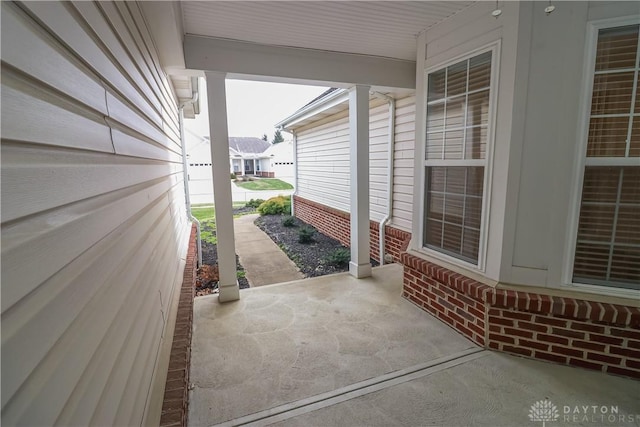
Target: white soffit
(377, 28)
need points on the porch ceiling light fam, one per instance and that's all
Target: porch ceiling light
(497, 11)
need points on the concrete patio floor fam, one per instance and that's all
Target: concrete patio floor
(337, 351)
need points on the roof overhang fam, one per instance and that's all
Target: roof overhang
(331, 104)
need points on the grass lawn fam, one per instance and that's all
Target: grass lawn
(204, 213)
(265, 184)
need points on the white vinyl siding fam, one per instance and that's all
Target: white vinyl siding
(403, 163)
(94, 232)
(323, 161)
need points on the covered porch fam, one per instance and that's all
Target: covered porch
(336, 350)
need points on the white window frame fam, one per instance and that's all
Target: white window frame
(586, 95)
(487, 162)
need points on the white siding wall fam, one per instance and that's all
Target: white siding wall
(93, 223)
(403, 163)
(323, 161)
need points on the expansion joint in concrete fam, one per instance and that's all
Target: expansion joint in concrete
(323, 400)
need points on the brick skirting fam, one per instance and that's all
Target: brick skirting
(570, 331)
(175, 407)
(337, 224)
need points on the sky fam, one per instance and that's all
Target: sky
(253, 108)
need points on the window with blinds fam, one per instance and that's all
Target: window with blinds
(456, 144)
(608, 239)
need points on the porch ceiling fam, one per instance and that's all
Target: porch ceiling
(376, 28)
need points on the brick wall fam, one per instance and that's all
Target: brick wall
(336, 224)
(176, 393)
(588, 334)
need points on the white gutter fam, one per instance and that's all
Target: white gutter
(391, 154)
(186, 176)
(295, 166)
(336, 97)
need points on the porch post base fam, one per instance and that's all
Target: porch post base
(228, 293)
(360, 271)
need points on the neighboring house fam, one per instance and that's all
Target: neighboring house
(279, 161)
(321, 132)
(522, 209)
(247, 155)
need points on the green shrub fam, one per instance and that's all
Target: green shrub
(339, 257)
(274, 206)
(305, 235)
(254, 203)
(233, 176)
(288, 221)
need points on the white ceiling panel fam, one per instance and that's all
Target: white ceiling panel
(379, 28)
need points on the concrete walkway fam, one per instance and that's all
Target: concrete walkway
(338, 351)
(263, 261)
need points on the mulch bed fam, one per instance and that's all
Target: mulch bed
(311, 258)
(207, 279)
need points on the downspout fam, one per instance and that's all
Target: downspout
(295, 166)
(186, 176)
(391, 154)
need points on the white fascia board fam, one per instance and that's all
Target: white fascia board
(240, 57)
(335, 98)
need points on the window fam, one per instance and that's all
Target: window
(458, 98)
(607, 248)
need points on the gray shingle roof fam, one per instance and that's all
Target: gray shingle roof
(248, 145)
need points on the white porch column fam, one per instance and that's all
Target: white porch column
(360, 265)
(217, 98)
(242, 166)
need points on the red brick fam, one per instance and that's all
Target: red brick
(626, 333)
(588, 327)
(516, 350)
(446, 318)
(550, 357)
(500, 321)
(568, 333)
(464, 330)
(517, 315)
(171, 418)
(545, 303)
(465, 314)
(604, 358)
(588, 345)
(475, 312)
(609, 313)
(501, 338)
(437, 306)
(633, 344)
(605, 339)
(533, 326)
(567, 351)
(553, 339)
(625, 352)
(584, 364)
(518, 332)
(494, 345)
(534, 302)
(494, 328)
(456, 318)
(635, 364)
(557, 306)
(621, 371)
(533, 344)
(475, 328)
(553, 321)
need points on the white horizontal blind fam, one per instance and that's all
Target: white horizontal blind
(457, 128)
(608, 240)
